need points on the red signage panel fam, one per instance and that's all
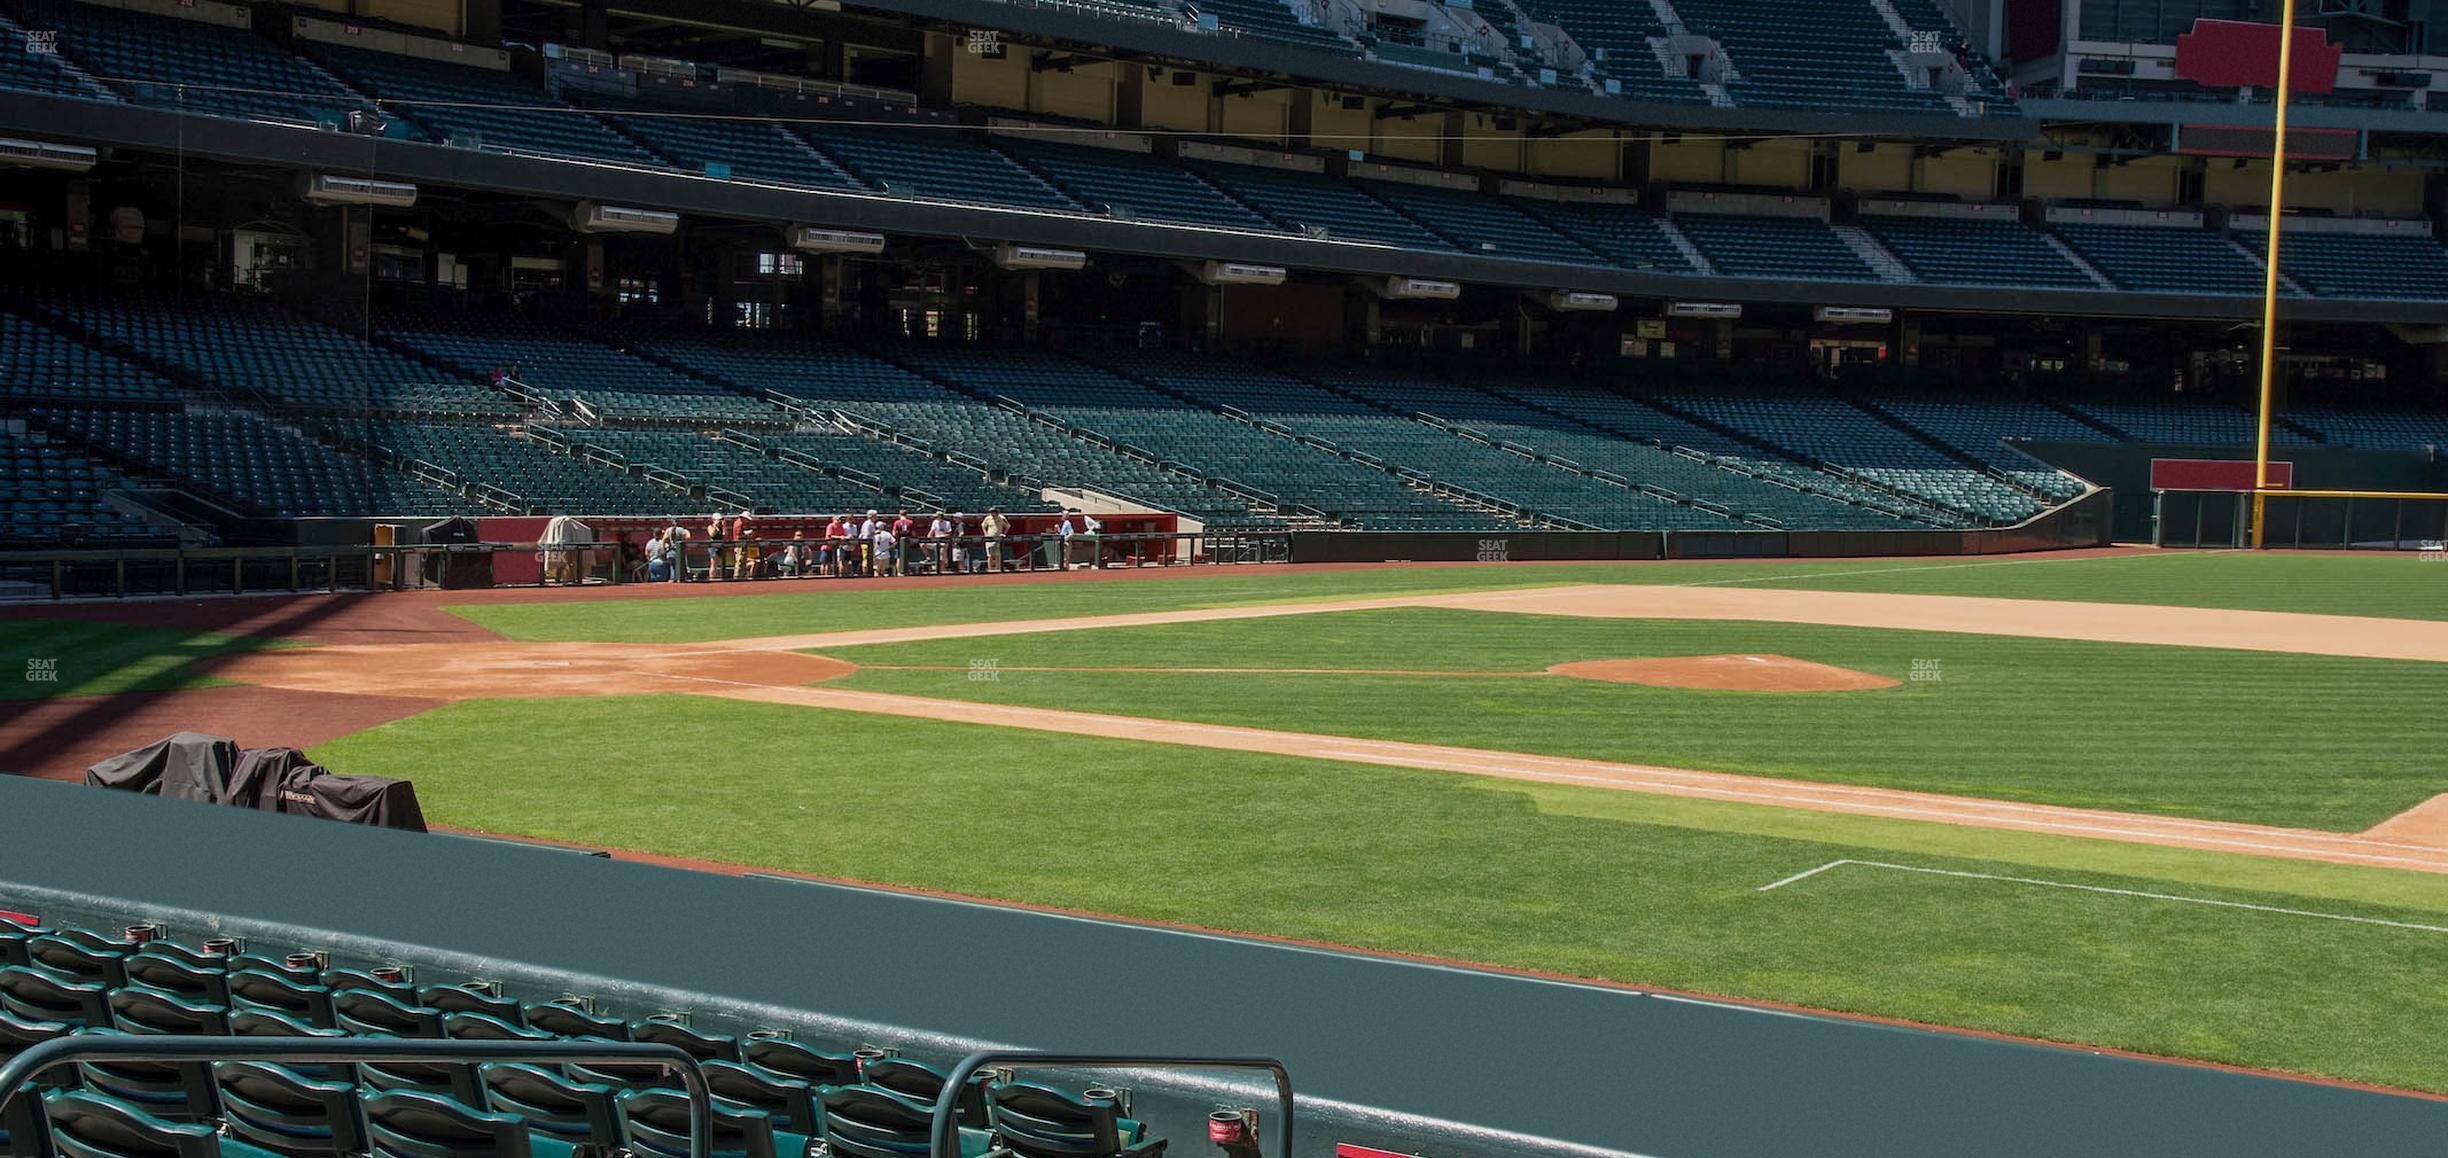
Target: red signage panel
(2236, 53)
(2214, 474)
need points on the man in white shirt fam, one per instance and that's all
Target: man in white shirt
(993, 528)
(654, 557)
(882, 538)
(1066, 531)
(939, 530)
(866, 536)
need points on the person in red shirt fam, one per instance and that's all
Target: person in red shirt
(748, 559)
(901, 528)
(828, 559)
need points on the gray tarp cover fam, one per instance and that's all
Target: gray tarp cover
(187, 766)
(194, 766)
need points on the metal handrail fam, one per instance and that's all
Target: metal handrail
(943, 1132)
(18, 1073)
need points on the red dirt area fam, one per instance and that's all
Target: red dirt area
(2425, 823)
(60, 738)
(1734, 673)
(457, 671)
(363, 618)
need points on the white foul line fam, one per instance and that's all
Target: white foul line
(1906, 868)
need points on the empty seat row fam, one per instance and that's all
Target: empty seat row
(774, 1097)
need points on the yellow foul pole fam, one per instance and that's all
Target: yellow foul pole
(2269, 285)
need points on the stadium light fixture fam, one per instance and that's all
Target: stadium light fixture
(1027, 257)
(817, 239)
(45, 155)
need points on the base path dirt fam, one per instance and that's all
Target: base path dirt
(460, 671)
(2263, 840)
(1740, 673)
(2425, 823)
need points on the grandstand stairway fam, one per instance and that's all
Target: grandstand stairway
(1683, 244)
(1837, 478)
(1793, 497)
(1969, 460)
(1127, 471)
(1879, 258)
(2287, 286)
(2077, 260)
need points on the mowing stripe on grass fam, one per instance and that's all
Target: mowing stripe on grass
(1806, 874)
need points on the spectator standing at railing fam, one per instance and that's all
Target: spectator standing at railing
(714, 549)
(675, 549)
(947, 553)
(1068, 529)
(993, 528)
(656, 569)
(837, 545)
(904, 529)
(746, 556)
(795, 559)
(867, 529)
(882, 541)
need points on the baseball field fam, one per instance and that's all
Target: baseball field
(2173, 803)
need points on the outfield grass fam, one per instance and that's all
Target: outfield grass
(109, 658)
(2298, 740)
(1626, 887)
(2395, 586)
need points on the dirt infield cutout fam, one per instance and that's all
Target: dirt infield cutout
(1733, 673)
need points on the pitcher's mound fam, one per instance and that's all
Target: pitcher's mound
(1738, 673)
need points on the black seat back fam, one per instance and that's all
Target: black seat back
(162, 971)
(402, 1124)
(702, 1046)
(790, 1103)
(486, 1027)
(304, 1000)
(1043, 1122)
(658, 1122)
(914, 1079)
(34, 995)
(86, 1125)
(13, 938)
(467, 999)
(367, 1011)
(176, 1091)
(794, 1060)
(866, 1122)
(562, 1019)
(580, 1113)
(137, 1009)
(287, 1112)
(266, 1023)
(84, 958)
